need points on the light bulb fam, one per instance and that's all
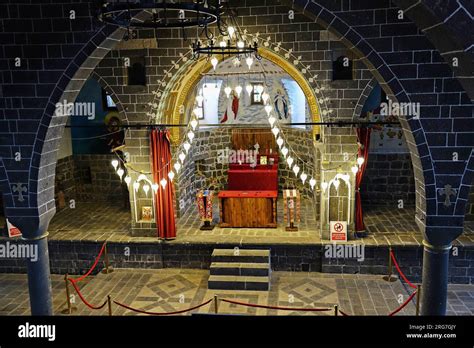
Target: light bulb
(259, 89)
(136, 185)
(199, 99)
(249, 89)
(146, 188)
(360, 161)
(265, 97)
(227, 91)
(249, 61)
(154, 187)
(182, 156)
(163, 182)
(268, 109)
(290, 161)
(191, 136)
(336, 184)
(171, 175)
(141, 177)
(312, 183)
(197, 112)
(240, 44)
(177, 167)
(355, 169)
(231, 31)
(238, 90)
(115, 164)
(284, 151)
(272, 120)
(296, 169)
(280, 142)
(194, 124)
(214, 62)
(127, 180)
(303, 177)
(187, 146)
(275, 131)
(324, 185)
(120, 173)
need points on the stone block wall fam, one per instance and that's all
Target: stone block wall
(388, 178)
(65, 180)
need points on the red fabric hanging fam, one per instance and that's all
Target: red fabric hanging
(363, 137)
(160, 151)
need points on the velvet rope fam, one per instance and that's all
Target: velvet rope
(163, 313)
(279, 308)
(392, 255)
(83, 299)
(93, 266)
(403, 305)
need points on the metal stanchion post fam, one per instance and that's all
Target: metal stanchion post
(109, 303)
(418, 296)
(336, 310)
(107, 268)
(70, 308)
(389, 277)
(216, 304)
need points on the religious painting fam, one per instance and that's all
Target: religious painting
(147, 213)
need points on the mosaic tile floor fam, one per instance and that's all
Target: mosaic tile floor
(97, 222)
(168, 290)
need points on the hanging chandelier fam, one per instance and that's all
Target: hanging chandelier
(139, 14)
(234, 42)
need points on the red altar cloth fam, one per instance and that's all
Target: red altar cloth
(247, 194)
(253, 179)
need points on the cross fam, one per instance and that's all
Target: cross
(20, 188)
(256, 146)
(448, 191)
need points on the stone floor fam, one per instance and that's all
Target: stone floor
(98, 222)
(168, 290)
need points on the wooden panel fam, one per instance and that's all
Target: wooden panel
(246, 138)
(247, 212)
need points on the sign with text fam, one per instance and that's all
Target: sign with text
(13, 231)
(338, 231)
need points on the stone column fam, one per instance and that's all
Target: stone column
(434, 291)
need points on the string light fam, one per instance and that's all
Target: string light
(163, 182)
(280, 142)
(249, 62)
(177, 167)
(128, 180)
(355, 169)
(227, 91)
(336, 184)
(324, 185)
(191, 136)
(115, 163)
(290, 161)
(231, 31)
(182, 156)
(214, 62)
(360, 161)
(296, 170)
(265, 97)
(136, 186)
(154, 187)
(120, 173)
(194, 123)
(272, 120)
(199, 99)
(275, 131)
(146, 188)
(312, 183)
(240, 44)
(284, 151)
(171, 175)
(303, 177)
(249, 89)
(268, 109)
(238, 90)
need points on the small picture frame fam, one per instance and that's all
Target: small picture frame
(263, 160)
(147, 213)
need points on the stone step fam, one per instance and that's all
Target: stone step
(228, 282)
(243, 255)
(238, 268)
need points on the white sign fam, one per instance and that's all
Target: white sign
(338, 231)
(13, 231)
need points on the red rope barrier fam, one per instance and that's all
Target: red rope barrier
(403, 305)
(163, 313)
(93, 266)
(343, 314)
(400, 271)
(279, 308)
(82, 297)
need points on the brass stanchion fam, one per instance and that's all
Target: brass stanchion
(70, 308)
(107, 268)
(418, 296)
(216, 304)
(336, 310)
(109, 303)
(389, 277)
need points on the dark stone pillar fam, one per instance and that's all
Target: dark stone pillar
(434, 290)
(39, 278)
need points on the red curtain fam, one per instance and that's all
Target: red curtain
(363, 137)
(160, 151)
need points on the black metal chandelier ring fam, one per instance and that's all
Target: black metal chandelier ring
(122, 15)
(224, 51)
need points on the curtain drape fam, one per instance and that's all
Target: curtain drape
(160, 151)
(363, 137)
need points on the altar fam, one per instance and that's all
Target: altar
(252, 187)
